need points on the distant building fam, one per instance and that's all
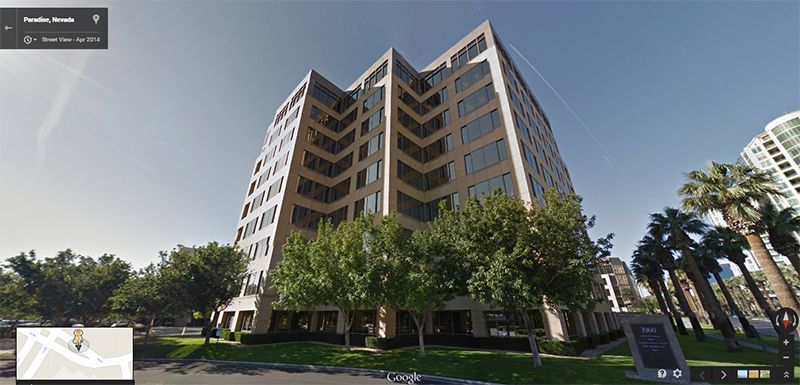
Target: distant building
(622, 289)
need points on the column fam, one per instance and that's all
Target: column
(601, 322)
(553, 323)
(589, 317)
(339, 323)
(579, 325)
(261, 319)
(314, 327)
(387, 320)
(479, 328)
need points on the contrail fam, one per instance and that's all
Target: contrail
(607, 156)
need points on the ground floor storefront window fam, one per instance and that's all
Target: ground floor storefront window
(326, 321)
(511, 324)
(404, 323)
(247, 320)
(458, 322)
(285, 321)
(364, 322)
(227, 320)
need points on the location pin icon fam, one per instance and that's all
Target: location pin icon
(96, 18)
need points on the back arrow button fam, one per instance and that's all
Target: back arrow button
(8, 27)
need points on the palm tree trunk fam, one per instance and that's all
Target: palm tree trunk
(696, 328)
(758, 295)
(776, 279)
(795, 261)
(661, 304)
(749, 330)
(671, 306)
(716, 310)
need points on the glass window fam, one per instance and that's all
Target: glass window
(370, 174)
(371, 147)
(476, 100)
(404, 323)
(503, 182)
(327, 321)
(472, 76)
(486, 156)
(538, 191)
(364, 322)
(373, 99)
(326, 96)
(458, 322)
(483, 125)
(371, 204)
(373, 121)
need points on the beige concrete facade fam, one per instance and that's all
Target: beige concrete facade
(311, 166)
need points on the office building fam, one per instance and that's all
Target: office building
(399, 139)
(621, 288)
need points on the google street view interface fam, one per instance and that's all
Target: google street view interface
(267, 192)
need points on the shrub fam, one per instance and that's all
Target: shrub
(604, 338)
(592, 340)
(562, 348)
(238, 336)
(379, 343)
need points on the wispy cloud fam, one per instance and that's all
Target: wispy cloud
(56, 111)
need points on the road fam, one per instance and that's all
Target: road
(212, 373)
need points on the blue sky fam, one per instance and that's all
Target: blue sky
(150, 143)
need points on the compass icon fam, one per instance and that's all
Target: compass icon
(786, 319)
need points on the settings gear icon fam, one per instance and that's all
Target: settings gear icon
(677, 373)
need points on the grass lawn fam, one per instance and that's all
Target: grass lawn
(513, 368)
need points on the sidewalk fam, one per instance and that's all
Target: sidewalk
(600, 349)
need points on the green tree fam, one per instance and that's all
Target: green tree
(676, 227)
(732, 190)
(780, 226)
(711, 249)
(95, 284)
(732, 245)
(341, 267)
(655, 244)
(414, 274)
(15, 302)
(647, 269)
(523, 257)
(205, 279)
(145, 294)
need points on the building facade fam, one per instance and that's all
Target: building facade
(777, 151)
(399, 139)
(621, 288)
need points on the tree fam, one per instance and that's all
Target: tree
(712, 248)
(340, 267)
(15, 302)
(96, 283)
(732, 190)
(780, 226)
(523, 257)
(646, 268)
(676, 227)
(731, 244)
(146, 294)
(654, 243)
(414, 275)
(206, 279)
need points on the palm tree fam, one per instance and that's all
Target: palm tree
(707, 255)
(731, 244)
(732, 189)
(780, 226)
(654, 243)
(676, 227)
(647, 269)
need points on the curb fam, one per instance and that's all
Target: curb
(321, 368)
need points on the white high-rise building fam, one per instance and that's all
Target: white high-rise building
(776, 150)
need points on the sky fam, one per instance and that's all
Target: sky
(150, 144)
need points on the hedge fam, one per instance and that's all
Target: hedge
(563, 348)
